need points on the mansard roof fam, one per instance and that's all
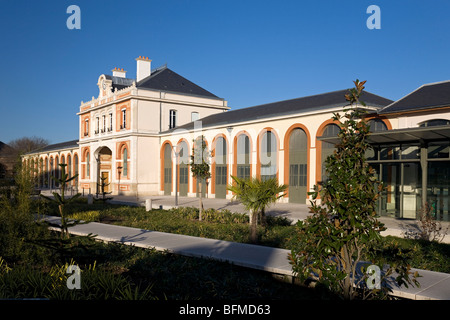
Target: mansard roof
(165, 79)
(427, 96)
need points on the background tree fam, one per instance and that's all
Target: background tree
(338, 243)
(200, 165)
(256, 195)
(28, 144)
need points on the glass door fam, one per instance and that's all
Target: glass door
(412, 190)
(391, 195)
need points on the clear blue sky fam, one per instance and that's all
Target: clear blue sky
(247, 52)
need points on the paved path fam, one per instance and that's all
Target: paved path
(295, 212)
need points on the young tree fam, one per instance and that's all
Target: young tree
(256, 195)
(103, 185)
(333, 245)
(61, 201)
(200, 160)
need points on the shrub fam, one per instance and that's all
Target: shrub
(88, 216)
(25, 282)
(342, 237)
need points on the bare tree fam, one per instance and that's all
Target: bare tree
(28, 144)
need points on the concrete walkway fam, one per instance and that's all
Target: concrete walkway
(294, 212)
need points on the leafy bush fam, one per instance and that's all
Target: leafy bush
(18, 229)
(343, 233)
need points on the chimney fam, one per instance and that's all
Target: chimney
(143, 68)
(117, 72)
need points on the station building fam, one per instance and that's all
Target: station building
(129, 136)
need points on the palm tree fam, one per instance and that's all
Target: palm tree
(256, 195)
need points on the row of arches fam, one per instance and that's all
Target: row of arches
(240, 162)
(42, 168)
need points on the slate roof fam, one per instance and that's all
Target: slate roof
(286, 107)
(119, 82)
(432, 95)
(57, 146)
(167, 80)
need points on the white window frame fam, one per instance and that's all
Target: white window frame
(110, 121)
(104, 122)
(124, 118)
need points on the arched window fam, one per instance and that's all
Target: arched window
(298, 166)
(183, 167)
(57, 171)
(32, 170)
(46, 173)
(243, 157)
(41, 172)
(75, 167)
(221, 169)
(268, 156)
(125, 162)
(377, 125)
(167, 169)
(69, 165)
(331, 130)
(88, 165)
(50, 173)
(435, 122)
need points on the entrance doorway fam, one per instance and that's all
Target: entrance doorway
(104, 165)
(402, 196)
(105, 182)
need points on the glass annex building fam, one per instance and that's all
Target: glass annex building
(414, 164)
(413, 161)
